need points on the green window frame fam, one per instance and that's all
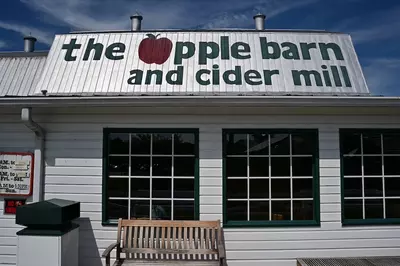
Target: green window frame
(159, 169)
(252, 160)
(370, 176)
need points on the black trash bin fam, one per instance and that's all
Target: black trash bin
(50, 236)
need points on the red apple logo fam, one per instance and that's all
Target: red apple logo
(153, 50)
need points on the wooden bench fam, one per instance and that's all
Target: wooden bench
(157, 242)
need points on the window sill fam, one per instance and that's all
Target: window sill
(360, 222)
(110, 223)
(271, 224)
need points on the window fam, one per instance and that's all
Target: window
(150, 174)
(271, 177)
(370, 162)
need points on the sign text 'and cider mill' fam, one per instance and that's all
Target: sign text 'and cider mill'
(16, 174)
(155, 50)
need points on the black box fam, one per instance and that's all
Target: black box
(53, 213)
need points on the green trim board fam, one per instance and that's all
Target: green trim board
(274, 223)
(360, 222)
(108, 131)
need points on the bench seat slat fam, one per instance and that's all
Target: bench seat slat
(169, 251)
(166, 263)
(159, 223)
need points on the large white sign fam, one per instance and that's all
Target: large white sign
(198, 63)
(16, 174)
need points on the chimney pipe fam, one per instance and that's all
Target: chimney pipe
(136, 20)
(29, 44)
(259, 20)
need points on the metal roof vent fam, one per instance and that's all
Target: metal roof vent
(259, 20)
(136, 20)
(29, 44)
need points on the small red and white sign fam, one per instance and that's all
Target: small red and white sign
(10, 205)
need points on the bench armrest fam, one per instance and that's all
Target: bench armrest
(107, 252)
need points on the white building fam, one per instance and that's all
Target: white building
(273, 132)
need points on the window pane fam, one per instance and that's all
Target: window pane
(184, 188)
(117, 209)
(118, 165)
(140, 187)
(372, 165)
(162, 143)
(353, 209)
(118, 143)
(351, 143)
(184, 166)
(236, 189)
(236, 144)
(162, 187)
(373, 209)
(258, 144)
(184, 143)
(259, 210)
(353, 187)
(280, 144)
(373, 187)
(140, 166)
(393, 208)
(372, 144)
(280, 188)
(303, 143)
(392, 186)
(303, 210)
(303, 188)
(162, 166)
(352, 166)
(118, 187)
(302, 166)
(259, 188)
(140, 143)
(236, 167)
(392, 165)
(236, 210)
(161, 210)
(280, 210)
(280, 166)
(140, 209)
(259, 166)
(184, 210)
(391, 143)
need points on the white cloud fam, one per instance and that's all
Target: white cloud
(382, 76)
(3, 44)
(41, 35)
(114, 14)
(382, 25)
(243, 16)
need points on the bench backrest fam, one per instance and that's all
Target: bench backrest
(158, 239)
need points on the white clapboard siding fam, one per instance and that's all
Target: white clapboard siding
(74, 171)
(14, 137)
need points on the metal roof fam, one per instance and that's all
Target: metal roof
(20, 72)
(131, 64)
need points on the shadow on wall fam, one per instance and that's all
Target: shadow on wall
(88, 251)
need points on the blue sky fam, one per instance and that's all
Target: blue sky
(374, 25)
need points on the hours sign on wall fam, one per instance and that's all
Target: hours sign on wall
(16, 174)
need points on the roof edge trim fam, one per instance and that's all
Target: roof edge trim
(206, 100)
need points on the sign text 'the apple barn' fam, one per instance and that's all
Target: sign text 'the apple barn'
(154, 50)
